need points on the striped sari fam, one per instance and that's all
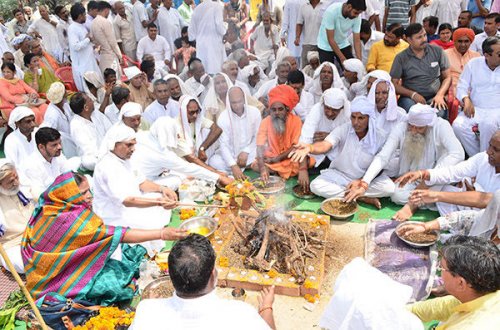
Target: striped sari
(66, 248)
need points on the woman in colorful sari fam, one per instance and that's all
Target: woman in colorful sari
(38, 77)
(445, 31)
(14, 91)
(74, 260)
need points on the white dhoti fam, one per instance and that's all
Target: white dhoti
(217, 162)
(332, 183)
(14, 255)
(488, 121)
(401, 195)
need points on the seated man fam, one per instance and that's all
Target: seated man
(239, 123)
(157, 46)
(333, 110)
(177, 87)
(265, 41)
(191, 265)
(421, 72)
(383, 52)
(282, 70)
(47, 61)
(355, 145)
(164, 105)
(387, 115)
(88, 128)
(470, 268)
(47, 162)
(15, 211)
(119, 96)
(138, 86)
(20, 144)
(250, 75)
(478, 91)
(278, 134)
(482, 168)
(121, 192)
(296, 80)
(58, 116)
(425, 141)
(199, 82)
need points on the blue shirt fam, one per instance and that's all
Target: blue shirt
(478, 21)
(343, 27)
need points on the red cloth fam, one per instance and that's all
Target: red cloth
(444, 45)
(284, 94)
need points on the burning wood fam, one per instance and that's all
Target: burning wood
(273, 241)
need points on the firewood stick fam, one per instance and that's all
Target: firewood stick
(19, 281)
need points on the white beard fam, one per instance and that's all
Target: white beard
(279, 125)
(9, 192)
(413, 149)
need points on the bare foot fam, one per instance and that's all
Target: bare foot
(404, 214)
(371, 201)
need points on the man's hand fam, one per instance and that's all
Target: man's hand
(242, 159)
(419, 99)
(355, 189)
(266, 298)
(319, 136)
(439, 103)
(168, 193)
(120, 60)
(469, 186)
(342, 59)
(300, 152)
(108, 88)
(283, 41)
(413, 228)
(264, 174)
(420, 197)
(296, 42)
(270, 160)
(206, 80)
(303, 181)
(173, 234)
(237, 173)
(469, 110)
(409, 177)
(167, 203)
(202, 155)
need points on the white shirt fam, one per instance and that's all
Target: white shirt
(50, 39)
(482, 82)
(238, 133)
(206, 312)
(58, 119)
(366, 46)
(442, 149)
(170, 23)
(17, 149)
(477, 45)
(263, 45)
(159, 48)
(62, 34)
(449, 10)
(266, 87)
(155, 110)
(88, 136)
(291, 12)
(477, 166)
(310, 18)
(139, 14)
(386, 125)
(82, 53)
(112, 113)
(305, 105)
(352, 158)
(88, 22)
(200, 89)
(41, 174)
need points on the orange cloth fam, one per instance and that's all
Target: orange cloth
(12, 92)
(49, 62)
(276, 144)
(284, 94)
(461, 32)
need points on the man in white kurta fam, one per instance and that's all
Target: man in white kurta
(240, 123)
(164, 105)
(207, 28)
(20, 144)
(45, 26)
(200, 82)
(478, 90)
(62, 32)
(170, 23)
(156, 45)
(88, 128)
(333, 110)
(123, 196)
(80, 47)
(425, 141)
(265, 41)
(388, 114)
(291, 13)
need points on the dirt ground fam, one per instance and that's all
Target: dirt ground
(347, 243)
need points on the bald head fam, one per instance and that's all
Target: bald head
(493, 150)
(237, 100)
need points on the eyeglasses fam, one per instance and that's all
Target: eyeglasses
(441, 269)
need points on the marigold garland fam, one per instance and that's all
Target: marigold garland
(108, 319)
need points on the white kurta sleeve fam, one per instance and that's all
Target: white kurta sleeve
(252, 146)
(464, 83)
(166, 50)
(286, 21)
(77, 43)
(454, 152)
(310, 124)
(456, 173)
(85, 143)
(140, 49)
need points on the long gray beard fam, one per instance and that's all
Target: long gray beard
(413, 149)
(279, 125)
(9, 192)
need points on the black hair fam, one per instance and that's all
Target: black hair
(79, 178)
(16, 10)
(77, 9)
(77, 102)
(184, 29)
(397, 29)
(27, 58)
(159, 82)
(118, 94)
(102, 5)
(475, 259)
(108, 72)
(9, 65)
(296, 77)
(152, 26)
(445, 26)
(357, 4)
(146, 65)
(92, 5)
(488, 43)
(496, 16)
(58, 9)
(191, 263)
(432, 20)
(468, 12)
(413, 29)
(192, 60)
(366, 27)
(46, 134)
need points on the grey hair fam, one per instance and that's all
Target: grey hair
(488, 43)
(475, 259)
(225, 65)
(159, 82)
(283, 63)
(238, 54)
(6, 169)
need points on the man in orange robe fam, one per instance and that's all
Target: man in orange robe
(277, 135)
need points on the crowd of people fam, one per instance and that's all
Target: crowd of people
(358, 99)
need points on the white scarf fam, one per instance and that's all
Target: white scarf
(391, 110)
(186, 127)
(316, 85)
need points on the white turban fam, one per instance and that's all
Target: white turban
(56, 92)
(20, 39)
(392, 108)
(17, 114)
(249, 70)
(165, 131)
(362, 105)
(421, 115)
(334, 98)
(132, 72)
(312, 54)
(355, 65)
(130, 109)
(379, 74)
(119, 133)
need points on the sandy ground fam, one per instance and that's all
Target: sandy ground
(289, 312)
